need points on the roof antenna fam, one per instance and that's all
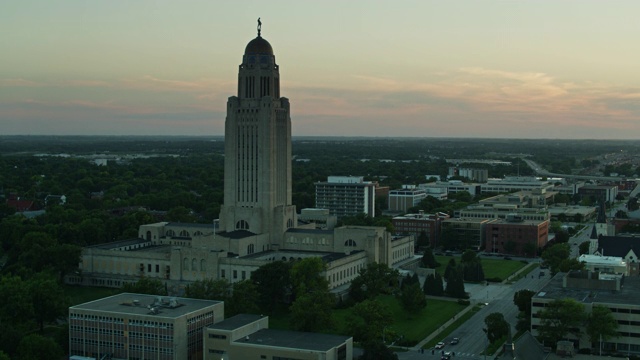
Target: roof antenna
(259, 26)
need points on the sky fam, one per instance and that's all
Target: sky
(557, 69)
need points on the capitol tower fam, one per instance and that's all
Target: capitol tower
(257, 168)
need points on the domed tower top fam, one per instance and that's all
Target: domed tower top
(258, 46)
(258, 76)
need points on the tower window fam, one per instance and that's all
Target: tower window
(242, 225)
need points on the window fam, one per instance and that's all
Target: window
(242, 225)
(157, 268)
(222, 274)
(235, 274)
(244, 275)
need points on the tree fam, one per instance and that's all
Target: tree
(16, 305)
(428, 260)
(423, 240)
(48, 299)
(474, 272)
(455, 283)
(273, 282)
(313, 305)
(377, 350)
(368, 320)
(522, 299)
(451, 267)
(412, 298)
(209, 289)
(147, 286)
(583, 248)
(496, 327)
(312, 311)
(375, 279)
(601, 325)
(244, 299)
(562, 236)
(433, 285)
(560, 318)
(34, 347)
(571, 264)
(306, 276)
(554, 255)
(409, 280)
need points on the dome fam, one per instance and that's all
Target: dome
(258, 46)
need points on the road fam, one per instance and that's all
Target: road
(499, 298)
(542, 172)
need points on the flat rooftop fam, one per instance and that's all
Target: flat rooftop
(628, 294)
(139, 304)
(294, 339)
(236, 321)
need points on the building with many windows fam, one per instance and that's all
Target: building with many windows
(402, 200)
(463, 233)
(416, 224)
(618, 293)
(516, 183)
(346, 196)
(606, 193)
(138, 326)
(516, 236)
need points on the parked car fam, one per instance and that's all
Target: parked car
(454, 341)
(439, 345)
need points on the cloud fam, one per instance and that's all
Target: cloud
(468, 101)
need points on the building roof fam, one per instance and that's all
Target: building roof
(294, 339)
(191, 225)
(235, 322)
(310, 231)
(140, 304)
(628, 294)
(120, 243)
(236, 234)
(618, 245)
(258, 46)
(604, 260)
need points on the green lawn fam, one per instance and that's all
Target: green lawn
(414, 327)
(493, 268)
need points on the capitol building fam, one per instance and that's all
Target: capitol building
(258, 223)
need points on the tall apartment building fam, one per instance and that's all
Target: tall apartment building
(346, 196)
(473, 174)
(403, 199)
(138, 326)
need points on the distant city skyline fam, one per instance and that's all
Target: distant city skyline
(490, 69)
